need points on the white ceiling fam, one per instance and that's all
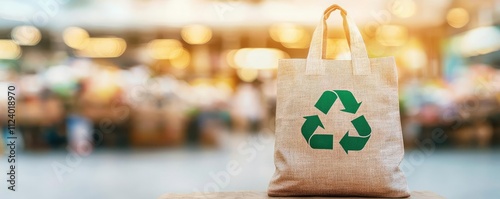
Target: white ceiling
(137, 14)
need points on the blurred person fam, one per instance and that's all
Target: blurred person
(208, 123)
(101, 103)
(51, 126)
(213, 121)
(463, 137)
(269, 91)
(484, 133)
(154, 116)
(29, 116)
(494, 120)
(247, 108)
(173, 125)
(78, 124)
(79, 134)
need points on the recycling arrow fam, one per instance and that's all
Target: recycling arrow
(325, 141)
(316, 141)
(348, 100)
(356, 143)
(311, 124)
(325, 102)
(328, 98)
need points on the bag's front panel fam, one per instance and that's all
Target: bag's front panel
(319, 150)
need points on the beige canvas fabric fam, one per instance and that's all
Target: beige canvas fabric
(356, 147)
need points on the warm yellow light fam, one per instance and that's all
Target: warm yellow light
(286, 32)
(241, 57)
(224, 84)
(403, 8)
(76, 37)
(247, 75)
(201, 82)
(302, 43)
(375, 49)
(335, 47)
(9, 49)
(290, 35)
(196, 34)
(457, 17)
(414, 56)
(258, 58)
(26, 35)
(230, 58)
(182, 60)
(164, 48)
(103, 48)
(392, 35)
(104, 83)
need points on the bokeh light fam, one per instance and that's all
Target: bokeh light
(196, 34)
(9, 49)
(258, 58)
(457, 17)
(26, 35)
(403, 8)
(414, 56)
(290, 35)
(480, 41)
(103, 47)
(182, 59)
(392, 35)
(164, 48)
(75, 37)
(247, 74)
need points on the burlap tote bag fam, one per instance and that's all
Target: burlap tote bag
(338, 129)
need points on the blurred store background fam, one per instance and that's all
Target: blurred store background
(136, 98)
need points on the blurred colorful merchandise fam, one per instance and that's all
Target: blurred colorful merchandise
(467, 107)
(170, 78)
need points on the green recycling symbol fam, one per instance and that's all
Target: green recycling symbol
(325, 141)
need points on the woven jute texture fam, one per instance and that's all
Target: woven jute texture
(362, 156)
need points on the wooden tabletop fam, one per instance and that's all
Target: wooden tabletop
(263, 195)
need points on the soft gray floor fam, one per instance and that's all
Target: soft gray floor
(148, 174)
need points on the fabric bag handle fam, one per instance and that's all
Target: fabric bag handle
(317, 49)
